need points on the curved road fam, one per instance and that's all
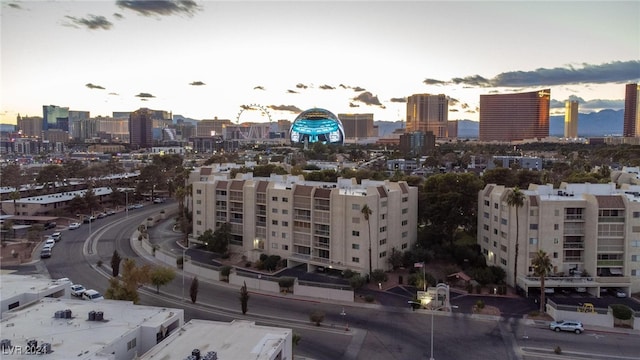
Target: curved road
(374, 332)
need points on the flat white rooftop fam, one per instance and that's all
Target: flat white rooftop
(77, 337)
(237, 340)
(14, 285)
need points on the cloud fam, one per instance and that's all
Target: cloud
(118, 16)
(595, 104)
(259, 87)
(197, 83)
(398, 100)
(92, 22)
(368, 99)
(353, 105)
(613, 72)
(15, 6)
(301, 86)
(453, 110)
(290, 108)
(343, 86)
(453, 102)
(327, 87)
(92, 86)
(245, 107)
(160, 7)
(144, 95)
(434, 82)
(358, 89)
(113, 93)
(291, 91)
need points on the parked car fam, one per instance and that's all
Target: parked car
(88, 219)
(618, 293)
(158, 200)
(567, 325)
(50, 225)
(45, 253)
(111, 212)
(138, 206)
(57, 236)
(77, 290)
(74, 225)
(92, 295)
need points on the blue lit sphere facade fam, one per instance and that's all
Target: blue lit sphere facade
(317, 125)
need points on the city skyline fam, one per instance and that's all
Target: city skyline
(210, 59)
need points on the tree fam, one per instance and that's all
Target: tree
(14, 195)
(161, 276)
(115, 263)
(541, 267)
(378, 276)
(366, 212)
(515, 199)
(221, 238)
(316, 317)
(193, 289)
(132, 278)
(244, 298)
(395, 259)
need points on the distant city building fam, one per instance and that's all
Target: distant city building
(141, 128)
(116, 128)
(571, 119)
(523, 162)
(426, 112)
(56, 136)
(631, 127)
(212, 127)
(316, 125)
(30, 126)
(514, 117)
(76, 121)
(452, 129)
(55, 117)
(358, 126)
(417, 143)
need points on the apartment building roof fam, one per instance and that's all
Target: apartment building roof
(59, 197)
(237, 340)
(65, 324)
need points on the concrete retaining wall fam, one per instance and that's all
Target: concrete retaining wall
(323, 293)
(586, 318)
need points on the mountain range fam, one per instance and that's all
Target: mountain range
(594, 124)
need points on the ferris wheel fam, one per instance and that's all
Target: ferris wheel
(257, 129)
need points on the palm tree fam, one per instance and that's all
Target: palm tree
(515, 198)
(541, 267)
(366, 212)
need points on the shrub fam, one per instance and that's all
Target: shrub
(99, 263)
(286, 282)
(263, 257)
(369, 298)
(180, 262)
(480, 304)
(248, 264)
(348, 274)
(225, 271)
(557, 350)
(378, 275)
(317, 317)
(356, 282)
(621, 312)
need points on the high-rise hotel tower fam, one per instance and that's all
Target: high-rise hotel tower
(427, 112)
(631, 127)
(570, 119)
(513, 117)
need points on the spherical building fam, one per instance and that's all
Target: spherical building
(317, 125)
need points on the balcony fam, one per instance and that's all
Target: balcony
(321, 245)
(573, 245)
(616, 263)
(578, 217)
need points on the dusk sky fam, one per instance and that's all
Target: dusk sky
(209, 59)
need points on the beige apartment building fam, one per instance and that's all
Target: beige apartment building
(319, 224)
(590, 231)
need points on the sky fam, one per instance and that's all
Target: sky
(251, 61)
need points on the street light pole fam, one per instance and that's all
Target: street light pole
(432, 316)
(126, 202)
(184, 253)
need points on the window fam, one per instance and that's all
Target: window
(274, 245)
(355, 246)
(383, 204)
(285, 247)
(355, 259)
(486, 227)
(556, 212)
(495, 244)
(405, 210)
(383, 216)
(503, 261)
(404, 245)
(533, 226)
(355, 233)
(273, 233)
(198, 191)
(274, 222)
(198, 212)
(383, 229)
(503, 248)
(355, 206)
(405, 198)
(131, 344)
(486, 203)
(635, 243)
(284, 235)
(383, 241)
(495, 218)
(486, 215)
(635, 272)
(285, 223)
(495, 205)
(405, 222)
(495, 231)
(382, 254)
(556, 241)
(284, 199)
(355, 220)
(198, 202)
(486, 239)
(555, 255)
(285, 211)
(636, 214)
(274, 198)
(533, 241)
(405, 234)
(503, 221)
(556, 226)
